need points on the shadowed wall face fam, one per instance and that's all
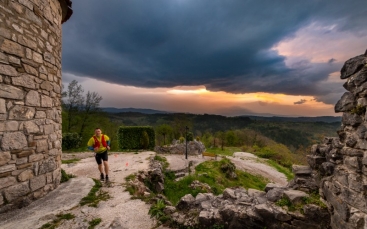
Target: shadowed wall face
(30, 105)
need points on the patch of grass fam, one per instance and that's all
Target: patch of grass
(70, 161)
(56, 222)
(65, 177)
(286, 171)
(94, 222)
(227, 151)
(214, 177)
(95, 195)
(163, 160)
(130, 177)
(359, 110)
(156, 210)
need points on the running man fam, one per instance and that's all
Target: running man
(100, 143)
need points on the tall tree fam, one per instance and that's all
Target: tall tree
(164, 130)
(72, 102)
(90, 107)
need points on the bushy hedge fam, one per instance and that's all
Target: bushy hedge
(71, 141)
(136, 137)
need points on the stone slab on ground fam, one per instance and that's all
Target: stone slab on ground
(65, 197)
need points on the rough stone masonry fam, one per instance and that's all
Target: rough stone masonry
(340, 164)
(30, 98)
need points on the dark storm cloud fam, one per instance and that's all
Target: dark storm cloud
(224, 45)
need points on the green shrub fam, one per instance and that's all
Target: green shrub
(156, 210)
(190, 136)
(181, 139)
(197, 138)
(71, 141)
(94, 222)
(144, 140)
(133, 137)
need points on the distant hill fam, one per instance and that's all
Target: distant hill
(134, 110)
(328, 119)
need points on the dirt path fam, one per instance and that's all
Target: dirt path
(254, 165)
(120, 211)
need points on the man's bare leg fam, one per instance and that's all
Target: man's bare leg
(100, 168)
(106, 167)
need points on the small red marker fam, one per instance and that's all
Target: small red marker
(127, 163)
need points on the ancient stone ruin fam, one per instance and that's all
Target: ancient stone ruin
(30, 98)
(340, 164)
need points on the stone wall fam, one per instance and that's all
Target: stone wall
(30, 105)
(340, 164)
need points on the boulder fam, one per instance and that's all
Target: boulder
(274, 194)
(185, 202)
(346, 103)
(295, 196)
(352, 66)
(301, 170)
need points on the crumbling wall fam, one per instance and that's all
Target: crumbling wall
(340, 164)
(30, 93)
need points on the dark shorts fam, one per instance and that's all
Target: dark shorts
(101, 156)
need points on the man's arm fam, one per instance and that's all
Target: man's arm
(108, 142)
(90, 144)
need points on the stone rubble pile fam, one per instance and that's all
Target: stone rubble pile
(193, 148)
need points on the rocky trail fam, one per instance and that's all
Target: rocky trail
(119, 211)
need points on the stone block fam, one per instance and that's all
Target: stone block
(56, 175)
(48, 165)
(23, 166)
(40, 114)
(1, 199)
(351, 119)
(16, 191)
(10, 92)
(49, 179)
(37, 182)
(25, 153)
(42, 145)
(30, 127)
(346, 103)
(30, 70)
(24, 80)
(45, 85)
(341, 176)
(7, 181)
(21, 160)
(11, 126)
(14, 61)
(48, 129)
(364, 160)
(25, 175)
(36, 157)
(295, 196)
(19, 112)
(13, 141)
(33, 99)
(301, 170)
(353, 163)
(274, 194)
(8, 70)
(46, 101)
(11, 47)
(315, 161)
(338, 204)
(37, 58)
(5, 157)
